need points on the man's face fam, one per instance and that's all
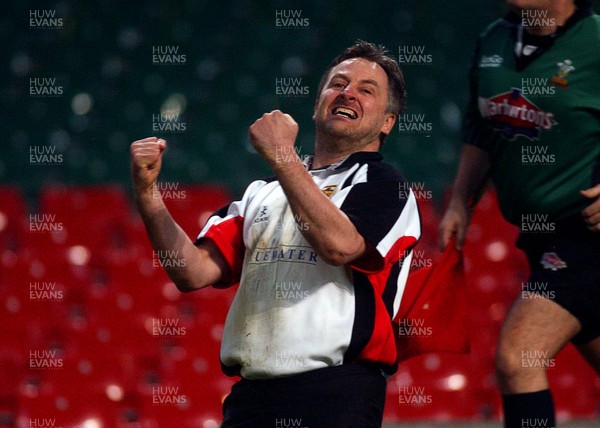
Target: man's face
(352, 105)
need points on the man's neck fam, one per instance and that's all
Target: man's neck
(325, 156)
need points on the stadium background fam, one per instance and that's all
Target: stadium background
(77, 92)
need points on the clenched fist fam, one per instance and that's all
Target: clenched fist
(273, 136)
(146, 161)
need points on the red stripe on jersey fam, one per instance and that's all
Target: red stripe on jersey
(228, 236)
(381, 347)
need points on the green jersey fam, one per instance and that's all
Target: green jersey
(539, 119)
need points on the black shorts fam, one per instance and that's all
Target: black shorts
(565, 268)
(346, 396)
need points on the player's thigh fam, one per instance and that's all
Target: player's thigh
(591, 352)
(537, 324)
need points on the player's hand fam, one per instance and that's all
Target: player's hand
(146, 161)
(454, 222)
(273, 136)
(591, 215)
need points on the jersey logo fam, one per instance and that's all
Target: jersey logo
(560, 77)
(330, 190)
(262, 215)
(513, 114)
(552, 261)
(491, 61)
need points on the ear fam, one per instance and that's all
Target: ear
(388, 124)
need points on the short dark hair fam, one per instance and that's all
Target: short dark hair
(379, 55)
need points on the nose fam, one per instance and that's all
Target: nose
(348, 92)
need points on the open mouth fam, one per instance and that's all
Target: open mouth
(344, 112)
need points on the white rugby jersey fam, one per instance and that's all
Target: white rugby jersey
(293, 312)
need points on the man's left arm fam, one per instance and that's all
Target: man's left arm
(328, 230)
(591, 215)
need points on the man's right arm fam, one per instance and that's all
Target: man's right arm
(196, 266)
(470, 178)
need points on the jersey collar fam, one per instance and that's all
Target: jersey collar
(354, 158)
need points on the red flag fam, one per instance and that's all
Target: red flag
(433, 314)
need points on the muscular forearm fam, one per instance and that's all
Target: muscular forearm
(175, 251)
(329, 231)
(472, 172)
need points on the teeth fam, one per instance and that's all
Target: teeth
(344, 112)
